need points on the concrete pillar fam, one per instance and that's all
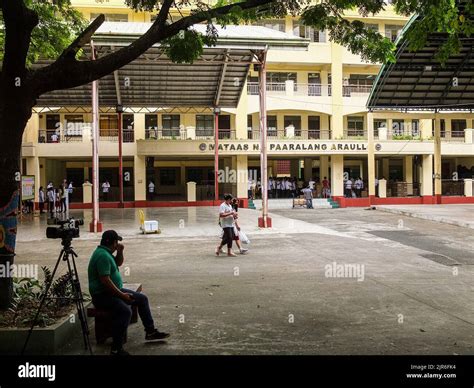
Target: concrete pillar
(294, 168)
(139, 126)
(87, 192)
(468, 187)
(426, 128)
(242, 175)
(370, 156)
(337, 175)
(437, 160)
(408, 173)
(139, 168)
(191, 191)
(427, 176)
(382, 188)
(468, 135)
(323, 167)
(386, 168)
(33, 168)
(308, 169)
(337, 99)
(241, 115)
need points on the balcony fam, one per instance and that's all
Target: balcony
(356, 90)
(188, 133)
(64, 136)
(289, 87)
(301, 134)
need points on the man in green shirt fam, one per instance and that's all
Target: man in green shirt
(106, 289)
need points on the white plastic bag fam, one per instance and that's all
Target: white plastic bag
(243, 237)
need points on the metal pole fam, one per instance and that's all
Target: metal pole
(216, 156)
(95, 150)
(120, 141)
(262, 74)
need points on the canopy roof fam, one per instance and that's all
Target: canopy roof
(215, 79)
(417, 81)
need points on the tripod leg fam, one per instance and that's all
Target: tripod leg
(43, 299)
(78, 298)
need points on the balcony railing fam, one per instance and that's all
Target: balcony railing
(298, 89)
(348, 90)
(57, 136)
(183, 134)
(302, 134)
(358, 134)
(452, 187)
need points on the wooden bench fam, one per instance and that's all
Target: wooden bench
(103, 318)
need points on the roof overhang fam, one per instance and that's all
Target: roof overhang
(417, 81)
(216, 78)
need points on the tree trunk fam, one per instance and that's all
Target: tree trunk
(14, 114)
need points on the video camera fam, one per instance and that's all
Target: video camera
(67, 229)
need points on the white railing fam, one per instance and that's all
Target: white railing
(298, 89)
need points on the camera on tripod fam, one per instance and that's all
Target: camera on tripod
(66, 229)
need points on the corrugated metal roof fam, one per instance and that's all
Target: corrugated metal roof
(153, 80)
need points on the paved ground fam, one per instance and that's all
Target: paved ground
(415, 295)
(460, 215)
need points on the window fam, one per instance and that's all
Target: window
(224, 122)
(415, 127)
(359, 83)
(271, 125)
(371, 26)
(52, 122)
(314, 127)
(379, 123)
(205, 125)
(249, 123)
(442, 128)
(171, 121)
(168, 176)
(107, 122)
(294, 121)
(398, 127)
(355, 125)
(112, 17)
(458, 127)
(274, 24)
(73, 125)
(128, 126)
(308, 32)
(314, 84)
(204, 121)
(151, 122)
(280, 77)
(392, 31)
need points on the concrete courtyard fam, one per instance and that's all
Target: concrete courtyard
(413, 294)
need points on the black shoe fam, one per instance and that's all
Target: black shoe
(119, 352)
(156, 335)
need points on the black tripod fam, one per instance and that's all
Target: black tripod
(68, 255)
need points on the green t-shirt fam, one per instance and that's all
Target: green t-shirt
(102, 263)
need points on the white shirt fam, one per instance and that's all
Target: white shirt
(311, 184)
(51, 195)
(348, 184)
(41, 196)
(288, 185)
(249, 184)
(226, 222)
(151, 187)
(105, 187)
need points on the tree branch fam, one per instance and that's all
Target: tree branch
(68, 74)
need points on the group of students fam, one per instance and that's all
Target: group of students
(353, 188)
(57, 198)
(290, 188)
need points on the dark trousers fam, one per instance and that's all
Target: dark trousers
(122, 312)
(228, 237)
(41, 205)
(51, 207)
(348, 193)
(63, 204)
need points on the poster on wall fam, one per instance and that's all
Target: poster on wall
(27, 187)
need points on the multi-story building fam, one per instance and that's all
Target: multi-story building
(316, 118)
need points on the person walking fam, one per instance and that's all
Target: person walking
(226, 220)
(41, 198)
(348, 188)
(64, 198)
(105, 189)
(326, 188)
(51, 200)
(308, 195)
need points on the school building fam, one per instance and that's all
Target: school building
(318, 124)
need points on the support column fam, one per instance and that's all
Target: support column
(241, 115)
(182, 178)
(33, 168)
(308, 169)
(386, 168)
(139, 169)
(337, 176)
(294, 168)
(323, 167)
(408, 173)
(427, 179)
(337, 117)
(437, 161)
(370, 157)
(139, 126)
(242, 177)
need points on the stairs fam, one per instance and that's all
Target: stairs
(287, 203)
